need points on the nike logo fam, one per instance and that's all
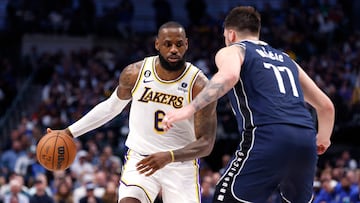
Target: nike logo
(147, 81)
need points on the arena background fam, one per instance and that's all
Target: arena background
(59, 58)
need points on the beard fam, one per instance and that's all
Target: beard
(171, 66)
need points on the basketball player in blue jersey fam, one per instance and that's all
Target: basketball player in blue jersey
(159, 160)
(267, 90)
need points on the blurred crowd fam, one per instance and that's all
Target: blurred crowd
(322, 36)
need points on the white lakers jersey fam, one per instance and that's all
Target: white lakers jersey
(152, 97)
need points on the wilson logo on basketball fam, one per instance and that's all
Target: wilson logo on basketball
(61, 158)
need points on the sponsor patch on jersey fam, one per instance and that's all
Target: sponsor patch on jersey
(183, 87)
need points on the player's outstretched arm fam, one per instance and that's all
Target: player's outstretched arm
(324, 109)
(109, 108)
(96, 117)
(228, 60)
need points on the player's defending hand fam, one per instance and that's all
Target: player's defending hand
(150, 164)
(177, 115)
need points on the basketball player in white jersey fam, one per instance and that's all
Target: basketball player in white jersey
(158, 160)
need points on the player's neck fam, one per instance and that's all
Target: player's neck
(168, 75)
(247, 37)
(241, 36)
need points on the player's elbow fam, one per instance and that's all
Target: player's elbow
(232, 78)
(328, 107)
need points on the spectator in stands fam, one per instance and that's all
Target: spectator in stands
(207, 189)
(81, 191)
(326, 193)
(15, 195)
(61, 176)
(108, 161)
(9, 157)
(343, 190)
(82, 166)
(6, 188)
(63, 193)
(40, 193)
(24, 162)
(90, 196)
(43, 180)
(93, 152)
(111, 192)
(355, 194)
(101, 180)
(348, 161)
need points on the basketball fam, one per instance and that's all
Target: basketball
(56, 151)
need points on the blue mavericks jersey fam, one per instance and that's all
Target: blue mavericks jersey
(268, 91)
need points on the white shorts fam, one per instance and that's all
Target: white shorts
(178, 182)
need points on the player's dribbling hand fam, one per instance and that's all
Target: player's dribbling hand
(150, 164)
(66, 131)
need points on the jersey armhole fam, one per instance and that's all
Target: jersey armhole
(140, 75)
(190, 96)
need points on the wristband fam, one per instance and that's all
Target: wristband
(172, 156)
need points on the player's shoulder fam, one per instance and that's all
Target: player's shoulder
(200, 81)
(196, 70)
(228, 50)
(130, 73)
(133, 68)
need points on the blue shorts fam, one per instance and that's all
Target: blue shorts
(269, 158)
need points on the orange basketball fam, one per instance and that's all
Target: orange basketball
(56, 151)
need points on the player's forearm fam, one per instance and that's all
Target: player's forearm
(205, 123)
(197, 149)
(99, 115)
(217, 87)
(205, 127)
(326, 117)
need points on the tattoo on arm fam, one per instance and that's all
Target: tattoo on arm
(210, 93)
(219, 85)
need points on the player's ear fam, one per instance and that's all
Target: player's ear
(232, 36)
(186, 43)
(157, 44)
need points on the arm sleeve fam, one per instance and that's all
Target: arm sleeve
(99, 115)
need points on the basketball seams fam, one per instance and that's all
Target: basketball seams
(43, 145)
(54, 151)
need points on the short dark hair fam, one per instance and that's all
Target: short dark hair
(243, 18)
(171, 24)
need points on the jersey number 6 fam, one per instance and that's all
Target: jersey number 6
(159, 116)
